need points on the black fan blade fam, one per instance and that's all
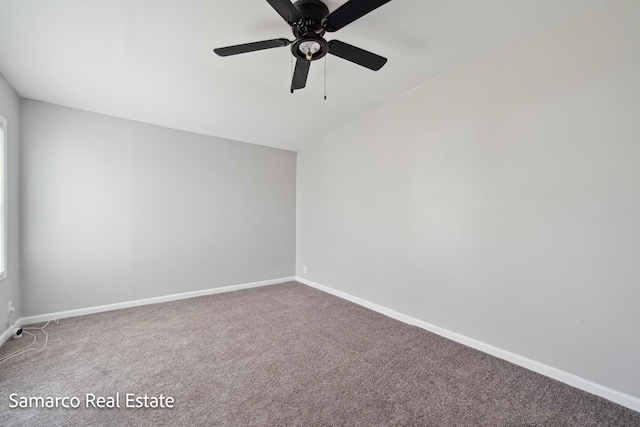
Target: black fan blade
(287, 10)
(300, 74)
(349, 12)
(250, 47)
(356, 55)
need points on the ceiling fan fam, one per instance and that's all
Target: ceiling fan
(310, 20)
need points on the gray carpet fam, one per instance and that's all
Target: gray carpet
(281, 355)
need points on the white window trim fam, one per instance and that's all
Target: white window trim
(4, 141)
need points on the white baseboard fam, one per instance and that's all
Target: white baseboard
(155, 300)
(627, 400)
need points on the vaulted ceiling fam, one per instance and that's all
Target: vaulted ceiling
(152, 60)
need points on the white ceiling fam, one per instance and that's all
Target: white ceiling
(153, 61)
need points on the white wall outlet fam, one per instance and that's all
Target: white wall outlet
(11, 309)
(304, 269)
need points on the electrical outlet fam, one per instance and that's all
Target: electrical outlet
(11, 309)
(304, 269)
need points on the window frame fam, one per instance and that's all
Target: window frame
(4, 141)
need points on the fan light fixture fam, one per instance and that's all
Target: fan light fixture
(308, 48)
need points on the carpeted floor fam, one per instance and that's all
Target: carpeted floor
(281, 355)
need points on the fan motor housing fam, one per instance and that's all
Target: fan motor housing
(310, 29)
(312, 12)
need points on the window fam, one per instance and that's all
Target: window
(3, 198)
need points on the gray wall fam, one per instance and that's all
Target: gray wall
(10, 287)
(115, 210)
(500, 201)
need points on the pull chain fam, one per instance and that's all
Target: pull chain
(325, 77)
